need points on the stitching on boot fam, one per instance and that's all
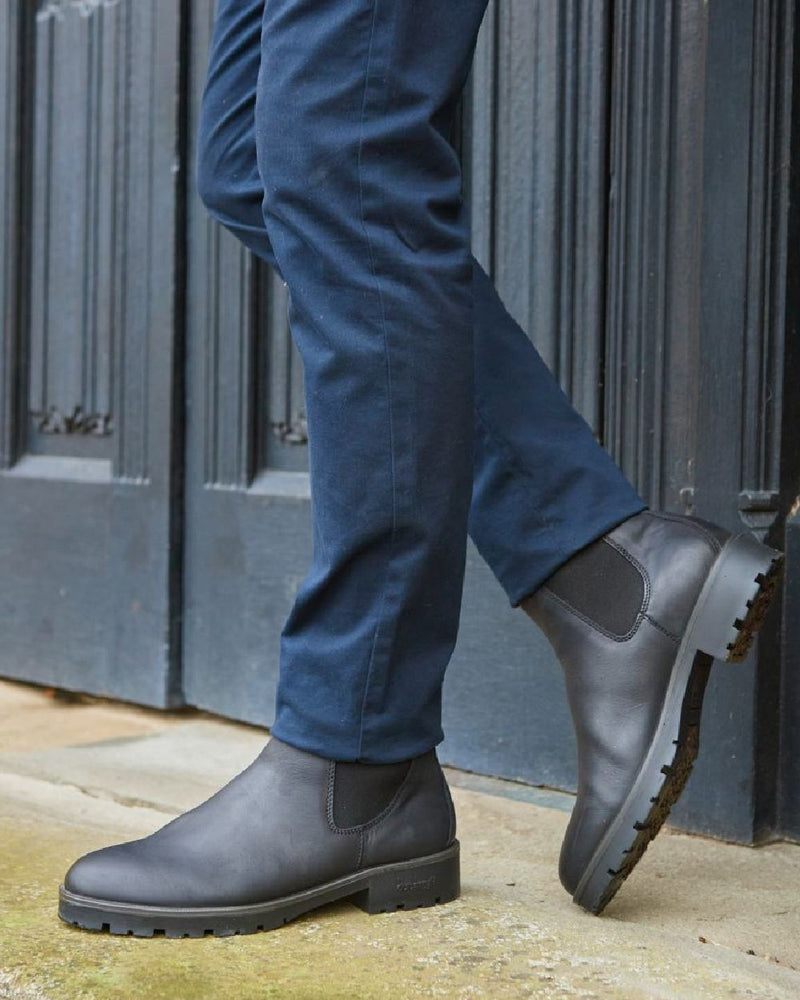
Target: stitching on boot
(361, 842)
(451, 809)
(641, 615)
(549, 595)
(362, 827)
(661, 628)
(395, 798)
(329, 804)
(637, 566)
(713, 541)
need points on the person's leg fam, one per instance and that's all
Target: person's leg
(363, 210)
(362, 207)
(543, 487)
(626, 614)
(625, 596)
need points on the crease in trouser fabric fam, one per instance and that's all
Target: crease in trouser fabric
(338, 172)
(361, 95)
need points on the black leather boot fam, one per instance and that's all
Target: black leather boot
(290, 833)
(635, 619)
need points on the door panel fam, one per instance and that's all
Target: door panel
(88, 422)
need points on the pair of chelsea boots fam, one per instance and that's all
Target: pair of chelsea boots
(635, 618)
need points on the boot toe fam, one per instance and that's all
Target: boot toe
(112, 874)
(587, 827)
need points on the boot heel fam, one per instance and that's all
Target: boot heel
(735, 598)
(410, 884)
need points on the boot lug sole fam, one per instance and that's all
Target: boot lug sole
(404, 885)
(729, 611)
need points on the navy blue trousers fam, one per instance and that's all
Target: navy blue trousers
(324, 147)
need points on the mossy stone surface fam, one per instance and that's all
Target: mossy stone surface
(698, 920)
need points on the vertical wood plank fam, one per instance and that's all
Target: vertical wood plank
(90, 535)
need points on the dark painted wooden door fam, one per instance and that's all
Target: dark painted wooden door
(88, 154)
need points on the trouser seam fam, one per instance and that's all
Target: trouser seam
(388, 376)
